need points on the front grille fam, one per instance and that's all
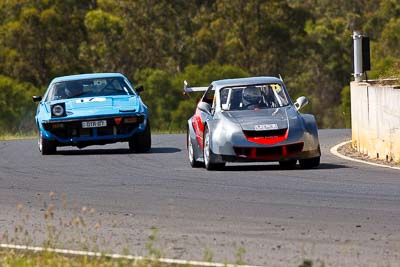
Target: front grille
(268, 152)
(73, 129)
(267, 133)
(105, 131)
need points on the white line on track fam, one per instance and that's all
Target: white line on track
(118, 256)
(334, 151)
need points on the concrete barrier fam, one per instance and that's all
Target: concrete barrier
(375, 118)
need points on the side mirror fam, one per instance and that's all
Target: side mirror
(301, 102)
(205, 107)
(139, 89)
(36, 98)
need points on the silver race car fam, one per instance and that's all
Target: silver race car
(249, 120)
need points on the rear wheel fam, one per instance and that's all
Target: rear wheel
(46, 147)
(309, 163)
(209, 160)
(141, 142)
(288, 164)
(192, 158)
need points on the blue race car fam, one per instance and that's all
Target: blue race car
(92, 109)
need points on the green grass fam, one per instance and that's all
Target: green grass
(15, 258)
(17, 135)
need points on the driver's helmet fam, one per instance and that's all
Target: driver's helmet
(73, 88)
(252, 95)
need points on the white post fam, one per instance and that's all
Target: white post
(357, 42)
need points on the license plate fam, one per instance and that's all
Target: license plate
(94, 124)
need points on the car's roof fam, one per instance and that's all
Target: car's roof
(246, 81)
(86, 76)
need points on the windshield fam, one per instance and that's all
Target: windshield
(252, 97)
(89, 88)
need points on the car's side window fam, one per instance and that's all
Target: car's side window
(209, 95)
(224, 95)
(52, 95)
(126, 84)
(56, 92)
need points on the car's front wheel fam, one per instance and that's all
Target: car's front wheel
(209, 160)
(141, 142)
(46, 147)
(309, 163)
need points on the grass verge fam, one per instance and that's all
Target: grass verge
(57, 226)
(16, 258)
(17, 135)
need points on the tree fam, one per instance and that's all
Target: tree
(104, 39)
(16, 106)
(160, 43)
(41, 39)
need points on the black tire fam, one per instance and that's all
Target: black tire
(46, 147)
(209, 161)
(309, 163)
(192, 159)
(141, 142)
(288, 164)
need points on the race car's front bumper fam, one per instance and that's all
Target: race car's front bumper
(277, 153)
(71, 131)
(238, 147)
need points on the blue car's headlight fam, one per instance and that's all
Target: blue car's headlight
(58, 110)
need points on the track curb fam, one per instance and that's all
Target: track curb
(334, 151)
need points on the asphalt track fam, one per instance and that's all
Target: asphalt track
(105, 198)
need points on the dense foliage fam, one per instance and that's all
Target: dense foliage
(159, 43)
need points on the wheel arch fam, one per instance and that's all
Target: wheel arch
(190, 132)
(310, 123)
(211, 126)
